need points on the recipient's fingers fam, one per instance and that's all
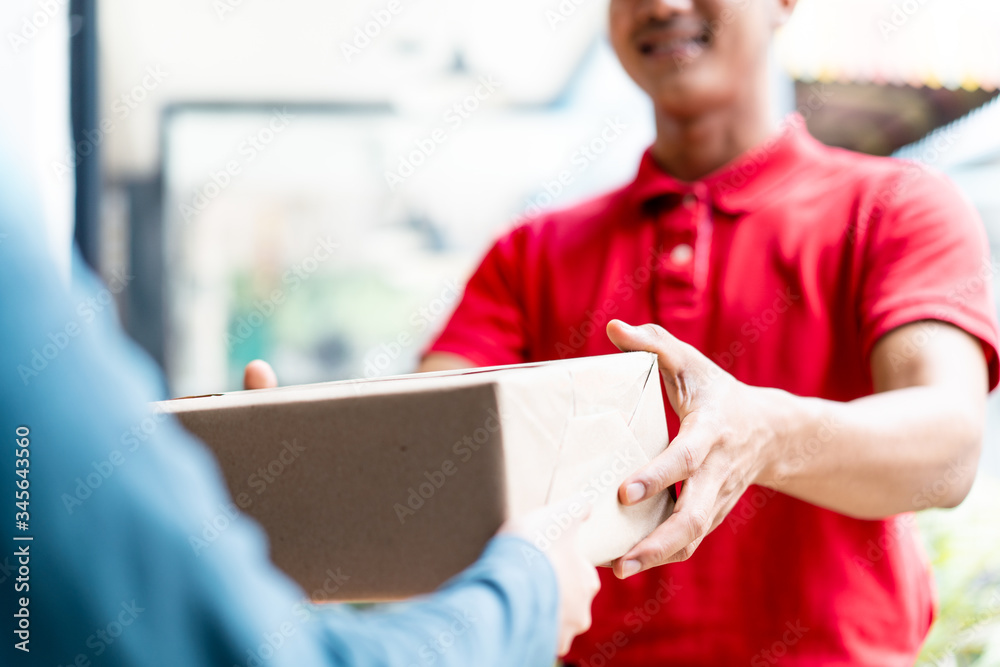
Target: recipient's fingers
(551, 523)
(580, 624)
(563, 518)
(259, 375)
(577, 618)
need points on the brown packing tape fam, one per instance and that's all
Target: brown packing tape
(376, 490)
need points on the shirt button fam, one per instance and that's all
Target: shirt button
(690, 200)
(681, 254)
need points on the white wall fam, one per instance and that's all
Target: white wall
(34, 106)
(293, 51)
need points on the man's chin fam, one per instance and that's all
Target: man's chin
(684, 94)
(664, 74)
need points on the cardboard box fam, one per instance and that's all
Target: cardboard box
(382, 489)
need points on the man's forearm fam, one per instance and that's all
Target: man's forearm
(911, 445)
(897, 451)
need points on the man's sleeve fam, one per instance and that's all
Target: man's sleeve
(925, 256)
(127, 550)
(489, 326)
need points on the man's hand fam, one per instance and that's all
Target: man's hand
(912, 445)
(443, 361)
(577, 579)
(259, 375)
(716, 452)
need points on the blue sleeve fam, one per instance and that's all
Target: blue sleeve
(111, 575)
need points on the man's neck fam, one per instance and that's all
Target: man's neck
(691, 148)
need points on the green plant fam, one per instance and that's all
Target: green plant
(964, 547)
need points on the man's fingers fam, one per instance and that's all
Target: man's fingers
(679, 461)
(676, 538)
(259, 375)
(647, 338)
(683, 368)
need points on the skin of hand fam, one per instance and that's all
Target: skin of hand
(718, 451)
(258, 374)
(443, 361)
(577, 579)
(885, 452)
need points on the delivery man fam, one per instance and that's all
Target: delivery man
(827, 339)
(102, 504)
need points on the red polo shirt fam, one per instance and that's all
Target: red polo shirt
(785, 267)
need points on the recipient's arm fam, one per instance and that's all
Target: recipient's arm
(487, 615)
(484, 611)
(138, 555)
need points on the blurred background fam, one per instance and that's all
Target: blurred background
(312, 182)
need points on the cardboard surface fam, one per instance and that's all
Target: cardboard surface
(382, 489)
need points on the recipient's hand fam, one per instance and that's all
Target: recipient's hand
(259, 375)
(717, 452)
(577, 579)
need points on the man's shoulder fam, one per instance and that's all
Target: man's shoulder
(879, 179)
(883, 197)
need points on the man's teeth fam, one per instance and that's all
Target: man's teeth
(687, 44)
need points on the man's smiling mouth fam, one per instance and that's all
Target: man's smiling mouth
(672, 42)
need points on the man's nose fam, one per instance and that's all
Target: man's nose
(664, 9)
(671, 5)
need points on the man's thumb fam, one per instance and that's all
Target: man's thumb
(646, 338)
(683, 368)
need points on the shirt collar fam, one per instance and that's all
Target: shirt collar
(740, 186)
